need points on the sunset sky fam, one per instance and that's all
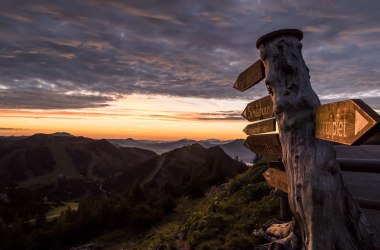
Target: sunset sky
(165, 69)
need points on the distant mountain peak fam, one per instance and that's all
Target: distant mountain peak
(62, 134)
(196, 145)
(185, 140)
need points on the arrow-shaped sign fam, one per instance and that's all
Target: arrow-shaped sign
(264, 144)
(276, 179)
(251, 76)
(348, 122)
(259, 109)
(261, 127)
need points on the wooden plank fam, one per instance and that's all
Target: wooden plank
(259, 109)
(368, 204)
(359, 165)
(347, 122)
(251, 76)
(261, 127)
(276, 178)
(264, 144)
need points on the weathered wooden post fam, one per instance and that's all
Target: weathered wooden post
(326, 215)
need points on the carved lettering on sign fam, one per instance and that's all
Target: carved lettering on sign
(259, 109)
(261, 127)
(334, 126)
(348, 122)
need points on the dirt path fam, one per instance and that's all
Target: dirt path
(159, 164)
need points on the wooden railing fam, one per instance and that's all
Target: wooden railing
(359, 165)
(347, 165)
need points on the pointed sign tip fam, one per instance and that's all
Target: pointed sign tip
(360, 122)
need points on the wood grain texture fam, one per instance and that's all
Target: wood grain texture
(261, 127)
(250, 77)
(259, 109)
(264, 144)
(276, 178)
(327, 216)
(347, 122)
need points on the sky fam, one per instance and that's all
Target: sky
(165, 69)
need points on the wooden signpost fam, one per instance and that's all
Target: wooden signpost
(265, 126)
(309, 191)
(348, 122)
(276, 178)
(264, 144)
(250, 77)
(259, 109)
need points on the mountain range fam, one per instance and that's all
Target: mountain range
(187, 170)
(234, 148)
(41, 158)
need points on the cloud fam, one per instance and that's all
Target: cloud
(221, 116)
(231, 115)
(11, 129)
(199, 116)
(79, 54)
(34, 99)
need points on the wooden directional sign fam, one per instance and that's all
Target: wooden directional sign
(276, 179)
(259, 109)
(264, 144)
(251, 76)
(347, 122)
(261, 127)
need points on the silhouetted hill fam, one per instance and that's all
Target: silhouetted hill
(190, 169)
(61, 134)
(41, 158)
(157, 146)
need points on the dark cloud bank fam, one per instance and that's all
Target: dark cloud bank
(76, 54)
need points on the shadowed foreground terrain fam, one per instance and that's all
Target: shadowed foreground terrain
(131, 193)
(191, 197)
(223, 219)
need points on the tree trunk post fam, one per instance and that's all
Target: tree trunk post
(326, 214)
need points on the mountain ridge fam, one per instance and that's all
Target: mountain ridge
(45, 157)
(180, 168)
(234, 148)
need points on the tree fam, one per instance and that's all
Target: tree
(326, 214)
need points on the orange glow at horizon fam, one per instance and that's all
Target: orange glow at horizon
(136, 116)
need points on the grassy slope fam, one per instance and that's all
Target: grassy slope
(59, 210)
(224, 219)
(63, 166)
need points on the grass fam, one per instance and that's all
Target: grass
(223, 219)
(58, 210)
(161, 236)
(232, 213)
